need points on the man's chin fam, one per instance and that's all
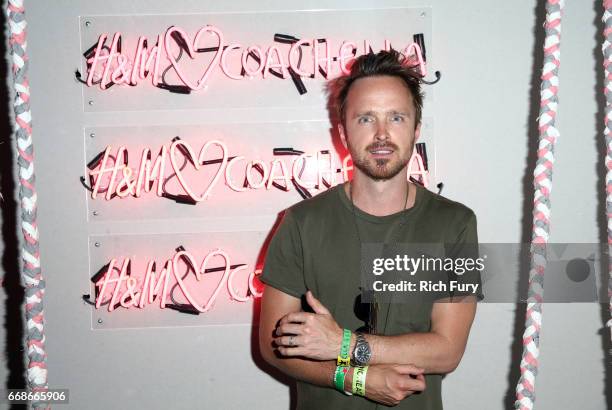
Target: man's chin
(380, 169)
(381, 173)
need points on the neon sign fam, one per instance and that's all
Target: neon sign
(111, 175)
(117, 287)
(110, 64)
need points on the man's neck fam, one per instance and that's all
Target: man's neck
(381, 198)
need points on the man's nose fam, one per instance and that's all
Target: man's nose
(381, 131)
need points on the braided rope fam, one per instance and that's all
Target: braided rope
(525, 389)
(606, 48)
(32, 275)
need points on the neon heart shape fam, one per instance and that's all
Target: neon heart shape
(191, 47)
(198, 165)
(209, 304)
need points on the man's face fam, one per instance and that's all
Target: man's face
(379, 126)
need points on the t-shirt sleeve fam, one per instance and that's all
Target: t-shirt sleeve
(284, 263)
(465, 255)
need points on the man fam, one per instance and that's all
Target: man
(316, 250)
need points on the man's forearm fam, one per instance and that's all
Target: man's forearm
(386, 384)
(429, 351)
(274, 301)
(319, 373)
(437, 351)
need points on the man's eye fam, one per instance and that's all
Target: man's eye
(397, 118)
(364, 120)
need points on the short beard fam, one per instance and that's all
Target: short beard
(380, 171)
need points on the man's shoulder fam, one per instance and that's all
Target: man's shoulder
(321, 204)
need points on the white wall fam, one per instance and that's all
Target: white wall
(484, 130)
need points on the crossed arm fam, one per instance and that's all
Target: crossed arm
(397, 364)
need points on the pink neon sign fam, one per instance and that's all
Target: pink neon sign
(114, 177)
(118, 287)
(110, 64)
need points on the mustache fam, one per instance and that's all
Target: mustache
(389, 145)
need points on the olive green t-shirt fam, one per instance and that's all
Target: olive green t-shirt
(317, 247)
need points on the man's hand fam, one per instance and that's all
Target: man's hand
(311, 335)
(389, 384)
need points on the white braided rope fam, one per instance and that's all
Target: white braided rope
(525, 389)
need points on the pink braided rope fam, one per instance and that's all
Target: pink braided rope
(32, 275)
(606, 48)
(525, 389)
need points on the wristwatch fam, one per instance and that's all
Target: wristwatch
(362, 353)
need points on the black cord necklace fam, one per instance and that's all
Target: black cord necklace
(374, 307)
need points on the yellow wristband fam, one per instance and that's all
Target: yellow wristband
(344, 362)
(359, 380)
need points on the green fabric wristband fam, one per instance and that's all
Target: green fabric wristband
(339, 377)
(344, 357)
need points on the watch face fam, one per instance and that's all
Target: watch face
(362, 353)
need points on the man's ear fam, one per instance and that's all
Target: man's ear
(417, 133)
(342, 134)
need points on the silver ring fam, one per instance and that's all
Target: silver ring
(291, 341)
